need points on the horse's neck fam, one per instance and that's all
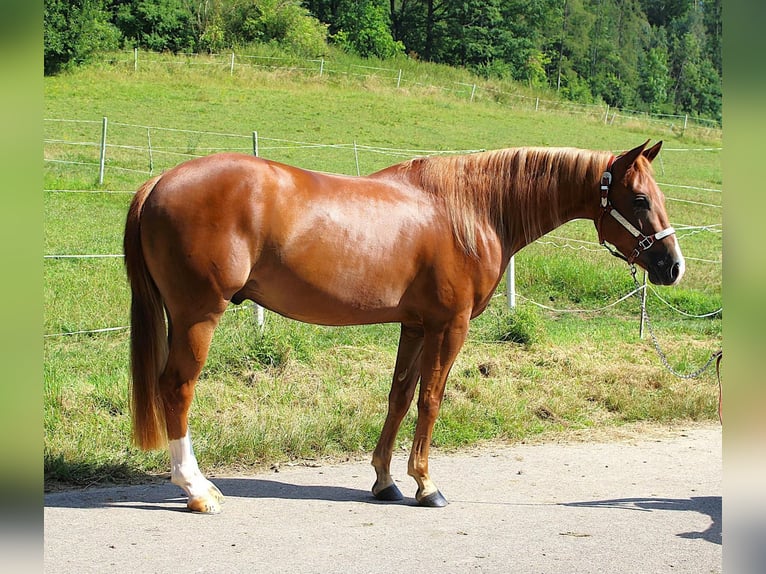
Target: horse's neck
(541, 211)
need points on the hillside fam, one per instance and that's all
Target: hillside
(660, 57)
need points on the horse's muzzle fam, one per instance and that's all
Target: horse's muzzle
(666, 269)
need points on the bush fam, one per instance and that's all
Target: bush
(159, 25)
(73, 31)
(272, 21)
(522, 325)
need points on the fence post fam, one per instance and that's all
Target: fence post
(510, 283)
(473, 91)
(135, 59)
(399, 79)
(606, 117)
(643, 310)
(260, 317)
(537, 103)
(356, 159)
(151, 158)
(321, 67)
(103, 153)
(231, 70)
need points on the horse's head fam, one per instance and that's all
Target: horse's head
(633, 218)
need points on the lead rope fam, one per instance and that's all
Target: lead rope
(717, 356)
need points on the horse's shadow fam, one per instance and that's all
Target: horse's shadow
(709, 505)
(167, 496)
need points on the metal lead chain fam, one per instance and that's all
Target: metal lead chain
(660, 353)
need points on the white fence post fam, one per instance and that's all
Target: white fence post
(135, 59)
(510, 283)
(103, 153)
(356, 159)
(399, 79)
(321, 67)
(151, 158)
(260, 317)
(643, 310)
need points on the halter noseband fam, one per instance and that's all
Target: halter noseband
(644, 242)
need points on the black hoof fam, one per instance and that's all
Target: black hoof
(433, 500)
(389, 494)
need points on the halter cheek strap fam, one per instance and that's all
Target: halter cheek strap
(644, 242)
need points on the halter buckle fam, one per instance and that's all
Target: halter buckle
(606, 182)
(646, 242)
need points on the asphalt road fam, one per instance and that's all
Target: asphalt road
(648, 503)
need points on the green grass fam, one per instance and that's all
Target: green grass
(301, 390)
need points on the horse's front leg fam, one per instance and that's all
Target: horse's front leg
(406, 374)
(441, 347)
(188, 351)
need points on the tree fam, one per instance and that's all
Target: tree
(473, 27)
(663, 12)
(159, 25)
(421, 25)
(521, 41)
(365, 28)
(655, 79)
(74, 30)
(711, 15)
(697, 85)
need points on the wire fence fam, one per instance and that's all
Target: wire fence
(414, 76)
(125, 148)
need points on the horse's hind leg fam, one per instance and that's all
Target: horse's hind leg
(189, 345)
(406, 374)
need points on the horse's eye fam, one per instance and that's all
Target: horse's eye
(641, 203)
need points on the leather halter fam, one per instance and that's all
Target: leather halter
(644, 242)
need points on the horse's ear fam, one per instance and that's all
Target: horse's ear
(625, 160)
(653, 151)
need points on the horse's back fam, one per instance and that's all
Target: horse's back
(316, 247)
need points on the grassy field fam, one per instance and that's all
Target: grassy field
(302, 391)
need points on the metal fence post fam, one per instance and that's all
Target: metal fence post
(643, 310)
(510, 283)
(151, 157)
(356, 159)
(260, 316)
(103, 152)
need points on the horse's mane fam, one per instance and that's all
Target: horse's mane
(515, 190)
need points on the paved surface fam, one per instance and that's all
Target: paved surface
(637, 505)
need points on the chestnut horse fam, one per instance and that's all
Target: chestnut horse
(423, 243)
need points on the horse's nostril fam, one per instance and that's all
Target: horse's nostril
(674, 271)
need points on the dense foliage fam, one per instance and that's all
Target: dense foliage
(662, 56)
